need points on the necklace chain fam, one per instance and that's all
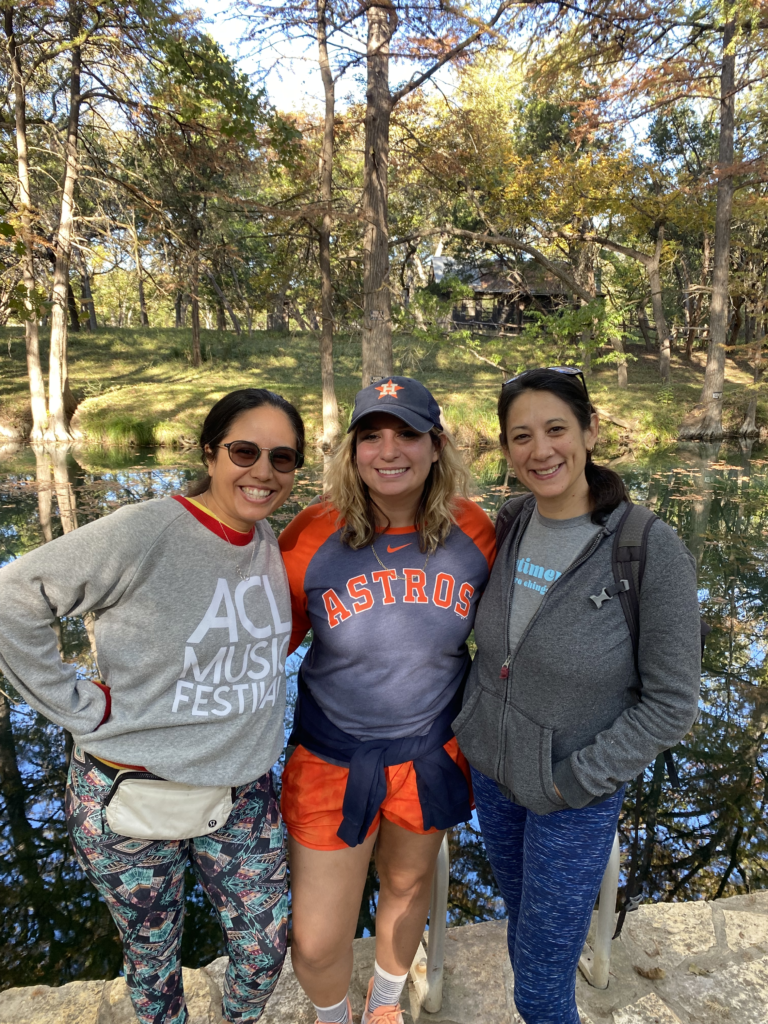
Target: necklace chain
(373, 549)
(238, 570)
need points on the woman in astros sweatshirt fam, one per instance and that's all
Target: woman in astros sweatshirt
(193, 619)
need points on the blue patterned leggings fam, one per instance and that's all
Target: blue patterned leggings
(241, 867)
(549, 869)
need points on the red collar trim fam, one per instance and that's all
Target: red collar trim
(215, 526)
(395, 530)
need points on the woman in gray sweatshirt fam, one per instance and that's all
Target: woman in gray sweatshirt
(173, 748)
(558, 713)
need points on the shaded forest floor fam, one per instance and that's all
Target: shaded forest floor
(137, 386)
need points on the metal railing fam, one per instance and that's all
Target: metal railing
(427, 966)
(595, 962)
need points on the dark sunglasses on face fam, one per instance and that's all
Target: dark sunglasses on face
(569, 371)
(246, 453)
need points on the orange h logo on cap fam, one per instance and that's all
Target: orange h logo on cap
(389, 390)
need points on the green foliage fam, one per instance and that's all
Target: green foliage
(542, 125)
(16, 296)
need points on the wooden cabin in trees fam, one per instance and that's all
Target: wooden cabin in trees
(504, 295)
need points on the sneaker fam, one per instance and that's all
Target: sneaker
(349, 1013)
(382, 1014)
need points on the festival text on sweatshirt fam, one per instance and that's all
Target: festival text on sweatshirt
(193, 656)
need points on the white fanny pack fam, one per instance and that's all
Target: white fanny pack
(143, 806)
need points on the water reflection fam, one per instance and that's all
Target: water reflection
(706, 840)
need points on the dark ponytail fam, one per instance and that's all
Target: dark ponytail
(606, 488)
(223, 415)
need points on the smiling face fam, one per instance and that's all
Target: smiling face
(394, 460)
(547, 450)
(240, 496)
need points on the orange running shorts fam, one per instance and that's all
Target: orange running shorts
(313, 795)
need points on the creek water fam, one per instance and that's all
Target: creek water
(706, 839)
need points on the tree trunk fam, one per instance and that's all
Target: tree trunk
(144, 315)
(295, 312)
(684, 279)
(645, 327)
(737, 321)
(88, 297)
(74, 316)
(178, 309)
(44, 493)
(621, 366)
(59, 396)
(705, 421)
(194, 285)
(221, 317)
(586, 277)
(330, 405)
(65, 495)
(31, 333)
(662, 331)
(749, 426)
(276, 320)
(698, 301)
(139, 273)
(377, 327)
(224, 302)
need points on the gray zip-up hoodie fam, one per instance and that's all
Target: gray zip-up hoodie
(193, 655)
(573, 711)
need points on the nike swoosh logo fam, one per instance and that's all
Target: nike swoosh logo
(393, 550)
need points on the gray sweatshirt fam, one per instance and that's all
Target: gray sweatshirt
(194, 657)
(573, 711)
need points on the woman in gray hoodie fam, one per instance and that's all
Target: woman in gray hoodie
(559, 713)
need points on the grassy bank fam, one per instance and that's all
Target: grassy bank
(136, 386)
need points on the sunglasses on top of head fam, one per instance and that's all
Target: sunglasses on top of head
(569, 371)
(247, 453)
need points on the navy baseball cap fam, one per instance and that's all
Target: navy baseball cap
(403, 397)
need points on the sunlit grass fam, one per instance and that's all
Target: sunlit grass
(137, 386)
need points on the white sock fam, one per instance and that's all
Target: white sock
(386, 988)
(333, 1014)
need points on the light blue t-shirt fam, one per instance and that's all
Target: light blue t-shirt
(548, 547)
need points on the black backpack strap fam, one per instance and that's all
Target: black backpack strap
(630, 549)
(508, 515)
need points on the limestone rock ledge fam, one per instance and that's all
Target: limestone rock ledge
(675, 963)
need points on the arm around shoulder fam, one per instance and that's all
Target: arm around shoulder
(299, 543)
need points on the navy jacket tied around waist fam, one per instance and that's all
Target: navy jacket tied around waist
(441, 784)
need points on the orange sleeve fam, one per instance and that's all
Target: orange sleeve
(299, 542)
(473, 521)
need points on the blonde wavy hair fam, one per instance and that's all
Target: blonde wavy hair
(448, 479)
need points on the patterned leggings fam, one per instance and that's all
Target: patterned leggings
(549, 869)
(241, 867)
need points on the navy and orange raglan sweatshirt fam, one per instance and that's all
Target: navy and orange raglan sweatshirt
(389, 645)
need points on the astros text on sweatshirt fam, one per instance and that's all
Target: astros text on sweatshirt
(389, 633)
(192, 657)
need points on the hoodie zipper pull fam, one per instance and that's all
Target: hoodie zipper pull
(504, 674)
